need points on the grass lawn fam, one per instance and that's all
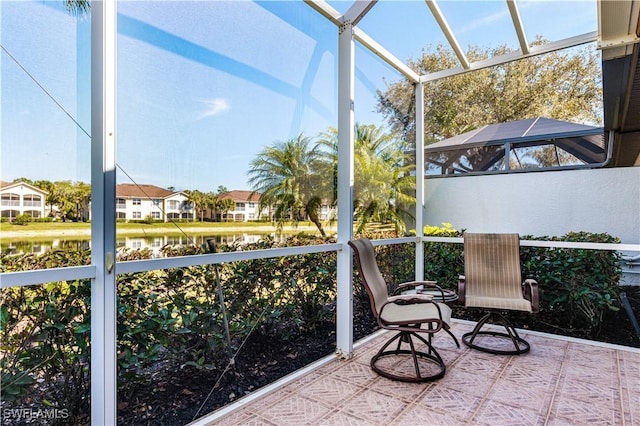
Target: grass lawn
(33, 229)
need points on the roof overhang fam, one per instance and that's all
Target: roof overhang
(620, 46)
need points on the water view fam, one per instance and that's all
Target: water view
(155, 243)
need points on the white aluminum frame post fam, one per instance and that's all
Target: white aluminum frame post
(420, 181)
(346, 138)
(103, 223)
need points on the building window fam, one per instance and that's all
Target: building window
(121, 215)
(32, 200)
(240, 207)
(137, 201)
(137, 215)
(121, 203)
(251, 205)
(33, 213)
(11, 199)
(174, 204)
(155, 215)
(252, 216)
(10, 214)
(156, 202)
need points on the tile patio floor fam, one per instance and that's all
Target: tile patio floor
(559, 382)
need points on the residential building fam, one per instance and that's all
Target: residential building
(21, 198)
(140, 202)
(247, 207)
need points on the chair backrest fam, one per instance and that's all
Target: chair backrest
(492, 265)
(370, 273)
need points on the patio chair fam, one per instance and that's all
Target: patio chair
(493, 281)
(411, 315)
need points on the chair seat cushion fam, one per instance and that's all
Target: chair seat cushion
(498, 303)
(413, 313)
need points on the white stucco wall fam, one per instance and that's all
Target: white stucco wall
(541, 203)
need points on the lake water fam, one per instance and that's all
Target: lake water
(151, 242)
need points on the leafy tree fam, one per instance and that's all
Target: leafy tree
(288, 177)
(559, 85)
(78, 7)
(224, 205)
(72, 198)
(383, 184)
(80, 197)
(23, 180)
(198, 200)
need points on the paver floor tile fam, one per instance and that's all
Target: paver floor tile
(374, 406)
(528, 396)
(559, 382)
(494, 413)
(419, 414)
(294, 410)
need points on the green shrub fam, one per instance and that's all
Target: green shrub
(577, 285)
(580, 285)
(45, 334)
(23, 219)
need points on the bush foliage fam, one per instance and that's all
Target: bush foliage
(175, 314)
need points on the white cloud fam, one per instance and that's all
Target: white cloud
(484, 21)
(213, 107)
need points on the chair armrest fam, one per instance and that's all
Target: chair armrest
(427, 283)
(461, 284)
(530, 292)
(409, 299)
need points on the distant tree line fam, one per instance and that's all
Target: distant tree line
(203, 201)
(70, 198)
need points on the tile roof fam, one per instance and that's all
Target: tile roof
(142, 191)
(238, 195)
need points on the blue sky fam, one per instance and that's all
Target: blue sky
(204, 86)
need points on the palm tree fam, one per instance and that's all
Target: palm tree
(383, 184)
(288, 175)
(198, 200)
(224, 206)
(78, 7)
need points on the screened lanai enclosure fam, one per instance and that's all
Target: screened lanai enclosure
(536, 143)
(191, 95)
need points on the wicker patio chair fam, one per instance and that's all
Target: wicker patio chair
(411, 315)
(493, 281)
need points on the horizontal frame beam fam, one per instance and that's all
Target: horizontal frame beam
(41, 276)
(515, 56)
(217, 258)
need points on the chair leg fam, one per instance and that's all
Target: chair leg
(452, 336)
(432, 356)
(521, 346)
(448, 330)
